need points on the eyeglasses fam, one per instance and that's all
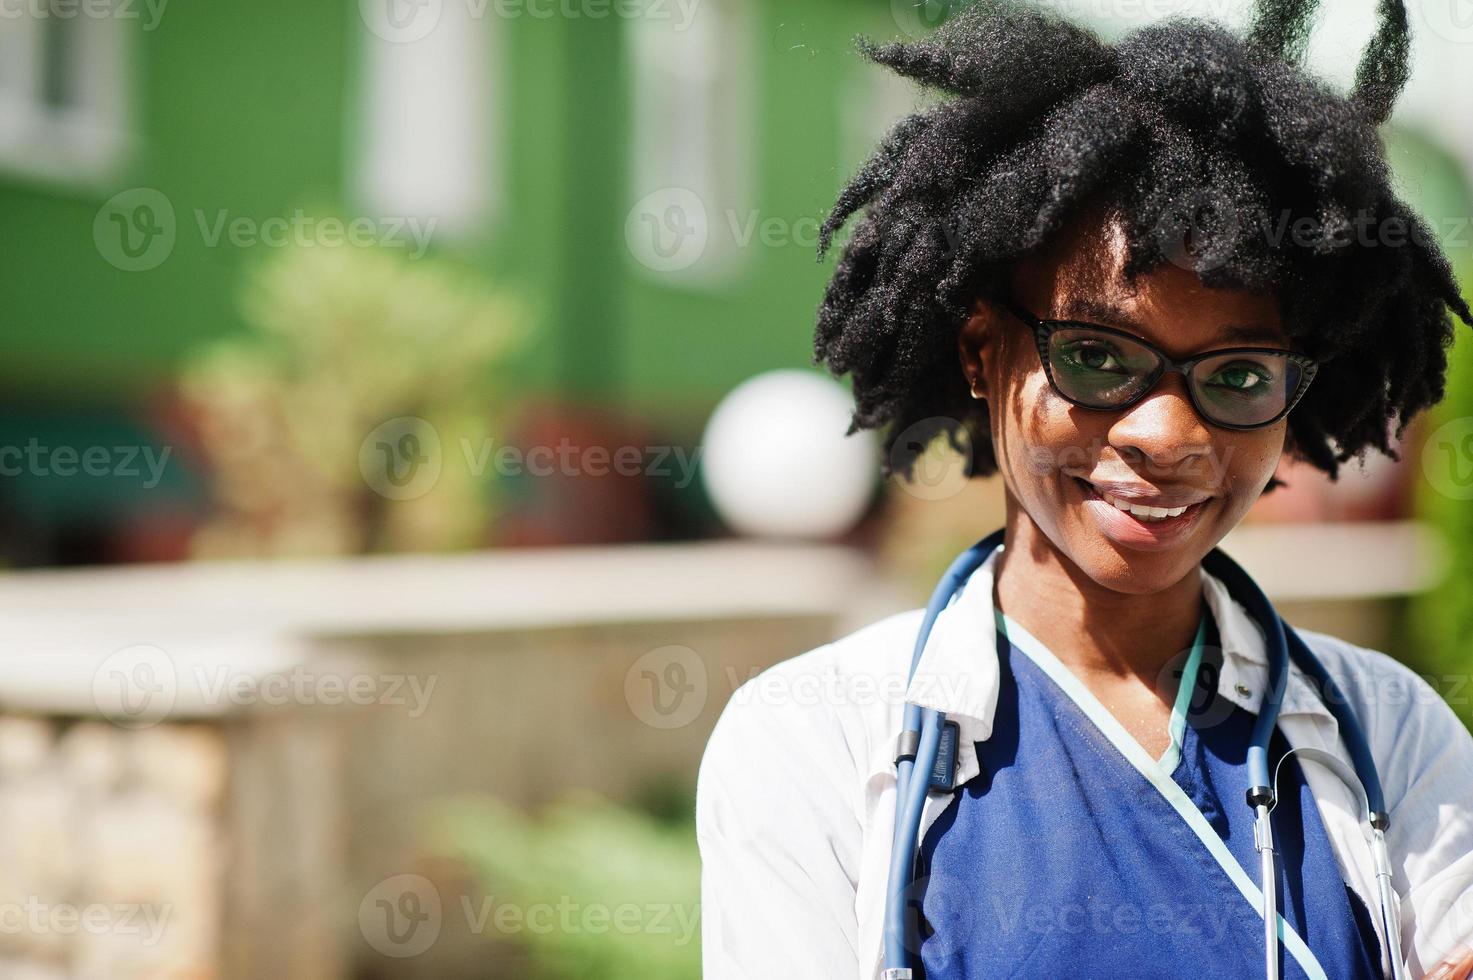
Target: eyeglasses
(1099, 367)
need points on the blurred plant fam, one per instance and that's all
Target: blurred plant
(342, 340)
(1442, 619)
(632, 883)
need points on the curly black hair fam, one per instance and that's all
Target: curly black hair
(1193, 134)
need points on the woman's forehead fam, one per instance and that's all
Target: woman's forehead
(1082, 277)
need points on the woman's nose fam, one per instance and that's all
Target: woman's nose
(1164, 427)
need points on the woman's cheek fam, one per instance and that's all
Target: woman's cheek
(1254, 463)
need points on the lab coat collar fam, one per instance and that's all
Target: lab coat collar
(958, 670)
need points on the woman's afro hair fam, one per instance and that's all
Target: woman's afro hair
(1194, 134)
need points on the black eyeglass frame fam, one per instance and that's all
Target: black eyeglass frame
(1043, 330)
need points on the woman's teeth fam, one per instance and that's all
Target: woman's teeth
(1141, 512)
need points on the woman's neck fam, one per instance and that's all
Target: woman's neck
(1094, 631)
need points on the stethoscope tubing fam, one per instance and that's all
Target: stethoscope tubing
(910, 799)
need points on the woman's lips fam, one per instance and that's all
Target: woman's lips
(1147, 534)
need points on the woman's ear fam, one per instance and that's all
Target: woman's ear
(976, 343)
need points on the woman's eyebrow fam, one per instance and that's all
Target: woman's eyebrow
(1107, 313)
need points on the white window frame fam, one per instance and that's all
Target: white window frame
(89, 140)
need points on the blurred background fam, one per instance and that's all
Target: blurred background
(408, 443)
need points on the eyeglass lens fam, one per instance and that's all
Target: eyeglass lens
(1103, 370)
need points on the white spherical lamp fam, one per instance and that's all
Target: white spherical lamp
(776, 463)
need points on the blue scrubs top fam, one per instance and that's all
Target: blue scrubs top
(1073, 853)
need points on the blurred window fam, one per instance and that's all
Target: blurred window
(430, 144)
(692, 138)
(64, 90)
(871, 102)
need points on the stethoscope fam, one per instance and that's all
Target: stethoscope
(921, 734)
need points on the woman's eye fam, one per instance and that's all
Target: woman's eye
(1096, 357)
(1241, 377)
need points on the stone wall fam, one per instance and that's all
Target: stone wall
(112, 850)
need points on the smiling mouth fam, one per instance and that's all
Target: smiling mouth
(1142, 512)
